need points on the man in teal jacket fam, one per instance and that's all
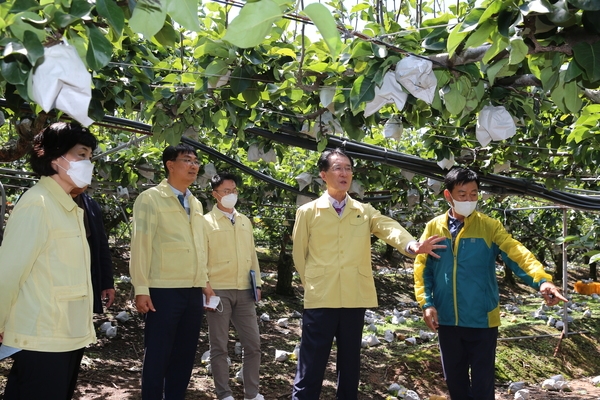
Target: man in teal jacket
(459, 291)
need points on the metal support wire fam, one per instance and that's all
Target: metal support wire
(2, 211)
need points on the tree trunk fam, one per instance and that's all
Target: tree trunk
(285, 266)
(389, 252)
(593, 271)
(509, 277)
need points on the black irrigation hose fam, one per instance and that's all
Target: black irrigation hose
(498, 184)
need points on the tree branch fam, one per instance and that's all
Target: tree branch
(16, 149)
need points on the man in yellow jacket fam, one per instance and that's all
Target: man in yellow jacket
(231, 258)
(332, 253)
(168, 272)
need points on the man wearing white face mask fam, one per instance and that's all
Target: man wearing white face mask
(231, 257)
(458, 292)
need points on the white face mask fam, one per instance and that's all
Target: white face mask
(80, 172)
(464, 208)
(229, 200)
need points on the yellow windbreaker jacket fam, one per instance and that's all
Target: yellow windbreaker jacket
(333, 254)
(168, 248)
(231, 251)
(45, 284)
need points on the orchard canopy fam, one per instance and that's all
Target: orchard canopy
(508, 87)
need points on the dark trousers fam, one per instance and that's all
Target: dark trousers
(170, 341)
(43, 375)
(319, 327)
(467, 350)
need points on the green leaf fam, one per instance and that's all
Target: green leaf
(361, 49)
(251, 96)
(363, 90)
(536, 6)
(499, 43)
(24, 5)
(322, 18)
(518, 50)
(34, 47)
(455, 39)
(63, 20)
(215, 70)
(505, 20)
(588, 57)
(589, 5)
(99, 49)
(239, 81)
(481, 34)
(549, 78)
(167, 36)
(494, 69)
(573, 71)
(455, 102)
(185, 13)
(572, 99)
(80, 8)
(20, 26)
(112, 13)
(471, 21)
(14, 71)
(148, 17)
(253, 23)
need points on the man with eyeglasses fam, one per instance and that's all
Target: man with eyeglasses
(332, 253)
(169, 275)
(231, 258)
(458, 291)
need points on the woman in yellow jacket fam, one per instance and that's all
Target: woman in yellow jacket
(45, 290)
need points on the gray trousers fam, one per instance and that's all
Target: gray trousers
(239, 308)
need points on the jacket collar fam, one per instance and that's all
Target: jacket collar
(57, 192)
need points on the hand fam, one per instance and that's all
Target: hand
(259, 295)
(143, 303)
(208, 292)
(431, 318)
(109, 296)
(1, 337)
(428, 245)
(551, 294)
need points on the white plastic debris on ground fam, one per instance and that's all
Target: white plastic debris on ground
(514, 387)
(123, 316)
(596, 381)
(556, 382)
(370, 341)
(388, 336)
(522, 394)
(239, 376)
(282, 322)
(265, 317)
(282, 355)
(426, 335)
(411, 340)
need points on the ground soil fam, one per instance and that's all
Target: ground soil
(111, 367)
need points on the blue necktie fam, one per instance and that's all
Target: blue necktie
(338, 210)
(181, 197)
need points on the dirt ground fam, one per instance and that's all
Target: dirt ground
(111, 368)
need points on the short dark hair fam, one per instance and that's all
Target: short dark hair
(323, 163)
(172, 152)
(56, 140)
(460, 176)
(218, 179)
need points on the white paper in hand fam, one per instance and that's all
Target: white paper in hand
(213, 303)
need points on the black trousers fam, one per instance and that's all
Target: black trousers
(42, 375)
(170, 340)
(468, 358)
(319, 327)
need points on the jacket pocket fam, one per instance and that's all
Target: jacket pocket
(177, 261)
(73, 311)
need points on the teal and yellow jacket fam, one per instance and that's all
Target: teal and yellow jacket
(462, 283)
